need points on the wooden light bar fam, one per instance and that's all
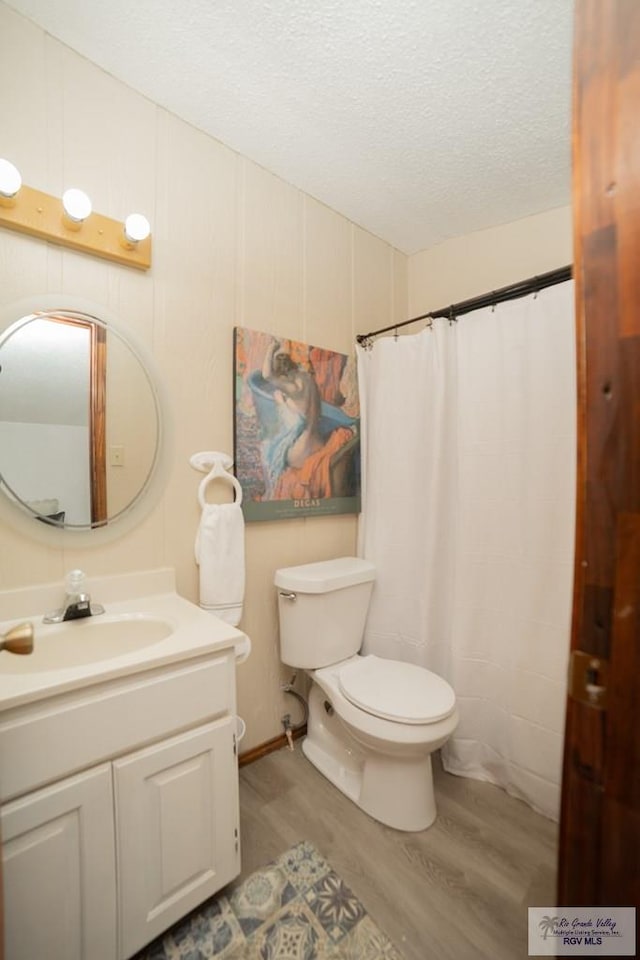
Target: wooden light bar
(41, 215)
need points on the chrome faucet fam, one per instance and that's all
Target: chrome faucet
(77, 601)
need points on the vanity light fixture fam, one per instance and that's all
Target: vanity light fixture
(71, 222)
(10, 180)
(136, 228)
(77, 205)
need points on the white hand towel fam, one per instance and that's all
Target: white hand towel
(220, 556)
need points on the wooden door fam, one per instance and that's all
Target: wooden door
(59, 871)
(600, 823)
(96, 403)
(178, 822)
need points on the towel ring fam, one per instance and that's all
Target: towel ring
(218, 465)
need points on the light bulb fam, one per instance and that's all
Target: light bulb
(10, 179)
(77, 205)
(136, 228)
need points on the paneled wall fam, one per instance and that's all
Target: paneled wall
(232, 245)
(467, 266)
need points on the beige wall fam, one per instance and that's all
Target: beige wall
(232, 245)
(474, 264)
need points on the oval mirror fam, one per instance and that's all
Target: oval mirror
(80, 419)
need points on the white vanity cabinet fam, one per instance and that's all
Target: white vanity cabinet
(59, 871)
(119, 809)
(177, 829)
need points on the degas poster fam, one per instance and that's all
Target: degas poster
(296, 428)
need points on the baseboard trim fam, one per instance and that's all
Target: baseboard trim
(277, 743)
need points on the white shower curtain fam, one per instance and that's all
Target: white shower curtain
(468, 513)
(408, 407)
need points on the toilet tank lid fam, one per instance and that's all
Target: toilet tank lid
(326, 575)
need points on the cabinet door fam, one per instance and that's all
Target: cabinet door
(177, 829)
(59, 871)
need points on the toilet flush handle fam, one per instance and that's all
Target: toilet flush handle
(286, 595)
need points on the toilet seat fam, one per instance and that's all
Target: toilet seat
(394, 690)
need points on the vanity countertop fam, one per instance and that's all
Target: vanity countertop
(136, 633)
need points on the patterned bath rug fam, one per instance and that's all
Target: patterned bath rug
(296, 908)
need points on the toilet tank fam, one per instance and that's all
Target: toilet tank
(323, 607)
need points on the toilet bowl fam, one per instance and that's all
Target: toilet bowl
(373, 723)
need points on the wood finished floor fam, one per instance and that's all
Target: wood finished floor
(458, 891)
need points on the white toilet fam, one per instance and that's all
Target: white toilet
(373, 723)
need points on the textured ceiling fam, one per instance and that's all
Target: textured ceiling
(419, 120)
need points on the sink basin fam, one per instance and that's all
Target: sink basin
(147, 625)
(86, 641)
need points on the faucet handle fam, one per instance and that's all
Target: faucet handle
(75, 582)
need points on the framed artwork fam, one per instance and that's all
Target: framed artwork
(296, 428)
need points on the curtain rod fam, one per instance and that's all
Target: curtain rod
(513, 292)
